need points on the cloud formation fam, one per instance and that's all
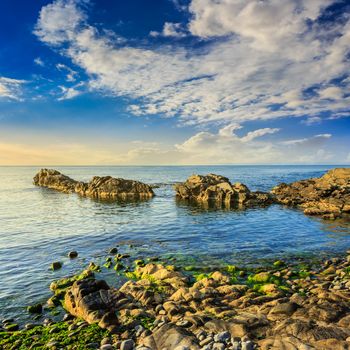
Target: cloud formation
(10, 88)
(271, 59)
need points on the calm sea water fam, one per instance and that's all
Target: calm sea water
(38, 226)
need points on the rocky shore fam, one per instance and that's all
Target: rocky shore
(105, 187)
(327, 196)
(179, 307)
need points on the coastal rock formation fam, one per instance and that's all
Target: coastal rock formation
(105, 187)
(328, 195)
(162, 308)
(217, 190)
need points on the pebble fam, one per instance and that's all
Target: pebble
(219, 346)
(8, 320)
(73, 254)
(113, 250)
(247, 345)
(107, 347)
(184, 323)
(182, 347)
(56, 265)
(206, 341)
(127, 344)
(222, 337)
(236, 345)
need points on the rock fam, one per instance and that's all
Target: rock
(35, 309)
(92, 301)
(328, 196)
(247, 345)
(105, 187)
(56, 265)
(107, 347)
(217, 190)
(222, 337)
(73, 254)
(170, 336)
(11, 327)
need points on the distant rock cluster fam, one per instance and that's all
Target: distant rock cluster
(217, 190)
(105, 187)
(328, 196)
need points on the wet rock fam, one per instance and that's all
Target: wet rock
(217, 190)
(56, 265)
(327, 196)
(72, 254)
(105, 187)
(35, 309)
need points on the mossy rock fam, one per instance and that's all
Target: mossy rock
(56, 265)
(35, 309)
(261, 278)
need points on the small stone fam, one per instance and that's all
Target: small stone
(206, 341)
(113, 250)
(182, 347)
(11, 327)
(35, 309)
(247, 345)
(8, 320)
(67, 317)
(184, 323)
(56, 265)
(107, 347)
(127, 344)
(218, 346)
(29, 326)
(105, 341)
(72, 254)
(236, 345)
(222, 337)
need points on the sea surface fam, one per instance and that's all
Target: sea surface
(39, 226)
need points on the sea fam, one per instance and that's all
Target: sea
(39, 226)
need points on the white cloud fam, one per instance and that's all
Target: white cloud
(315, 140)
(175, 30)
(270, 53)
(38, 61)
(312, 121)
(59, 21)
(10, 88)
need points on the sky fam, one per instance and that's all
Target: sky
(174, 82)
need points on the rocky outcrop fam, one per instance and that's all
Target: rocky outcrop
(105, 187)
(328, 195)
(160, 307)
(217, 190)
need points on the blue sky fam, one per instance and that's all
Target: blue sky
(174, 82)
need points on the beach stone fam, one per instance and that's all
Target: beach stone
(107, 347)
(35, 309)
(56, 265)
(222, 337)
(127, 344)
(72, 254)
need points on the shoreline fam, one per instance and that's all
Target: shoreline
(252, 292)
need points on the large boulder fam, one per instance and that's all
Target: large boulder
(217, 190)
(328, 195)
(54, 179)
(105, 187)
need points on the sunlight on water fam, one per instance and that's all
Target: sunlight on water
(39, 225)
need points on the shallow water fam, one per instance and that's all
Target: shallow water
(38, 226)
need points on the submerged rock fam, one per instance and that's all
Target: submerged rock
(217, 190)
(328, 195)
(105, 187)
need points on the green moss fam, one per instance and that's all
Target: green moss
(38, 337)
(279, 263)
(140, 263)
